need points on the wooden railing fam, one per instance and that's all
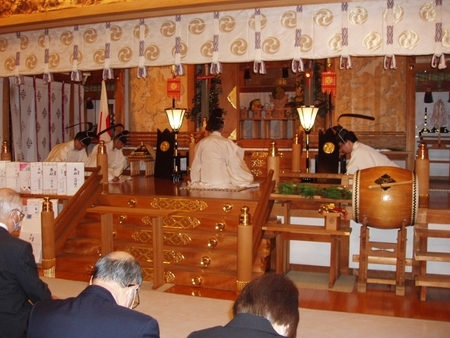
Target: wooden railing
(262, 212)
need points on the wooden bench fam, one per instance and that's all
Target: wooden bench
(299, 232)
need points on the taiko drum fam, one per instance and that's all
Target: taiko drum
(386, 196)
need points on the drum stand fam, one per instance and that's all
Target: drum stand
(382, 253)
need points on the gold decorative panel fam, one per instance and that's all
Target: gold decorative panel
(147, 274)
(171, 238)
(178, 204)
(169, 276)
(177, 239)
(172, 257)
(146, 254)
(143, 236)
(257, 161)
(181, 222)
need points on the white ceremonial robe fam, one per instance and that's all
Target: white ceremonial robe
(363, 157)
(66, 152)
(219, 163)
(116, 160)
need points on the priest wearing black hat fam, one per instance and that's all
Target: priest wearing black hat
(117, 162)
(73, 150)
(362, 156)
(218, 161)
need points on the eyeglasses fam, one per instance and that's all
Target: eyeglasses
(21, 214)
(136, 300)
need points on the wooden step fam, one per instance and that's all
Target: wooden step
(434, 233)
(432, 256)
(438, 281)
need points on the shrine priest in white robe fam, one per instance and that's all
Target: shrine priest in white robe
(73, 150)
(218, 162)
(117, 162)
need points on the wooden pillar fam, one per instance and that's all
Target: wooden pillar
(102, 161)
(244, 250)
(48, 238)
(107, 233)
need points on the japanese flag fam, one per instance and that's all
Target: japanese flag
(103, 116)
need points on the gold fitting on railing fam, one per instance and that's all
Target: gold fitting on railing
(205, 261)
(240, 285)
(273, 150)
(5, 148)
(102, 147)
(122, 218)
(422, 152)
(227, 207)
(212, 242)
(47, 205)
(132, 203)
(220, 226)
(244, 217)
(197, 281)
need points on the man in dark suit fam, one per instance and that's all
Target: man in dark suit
(266, 308)
(20, 285)
(103, 309)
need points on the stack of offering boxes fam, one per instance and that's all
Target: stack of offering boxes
(42, 178)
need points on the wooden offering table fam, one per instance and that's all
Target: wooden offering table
(286, 232)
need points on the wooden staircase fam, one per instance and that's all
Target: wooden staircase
(199, 236)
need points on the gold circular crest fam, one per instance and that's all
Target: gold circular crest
(164, 146)
(328, 147)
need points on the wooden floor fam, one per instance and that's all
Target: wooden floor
(378, 300)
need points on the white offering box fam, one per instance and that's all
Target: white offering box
(34, 206)
(25, 177)
(31, 232)
(61, 174)
(2, 174)
(12, 175)
(75, 177)
(37, 178)
(50, 180)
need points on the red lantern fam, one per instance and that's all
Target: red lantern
(329, 83)
(174, 88)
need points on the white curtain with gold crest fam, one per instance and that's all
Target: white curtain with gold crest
(343, 30)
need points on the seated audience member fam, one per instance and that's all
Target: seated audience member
(267, 307)
(218, 161)
(116, 160)
(20, 285)
(73, 150)
(362, 156)
(103, 309)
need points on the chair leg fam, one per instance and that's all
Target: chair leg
(363, 257)
(401, 258)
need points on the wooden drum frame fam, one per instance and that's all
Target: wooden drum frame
(386, 196)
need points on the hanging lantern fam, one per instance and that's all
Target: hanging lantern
(428, 96)
(174, 88)
(329, 83)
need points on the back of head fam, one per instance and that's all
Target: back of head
(272, 296)
(343, 135)
(85, 137)
(119, 267)
(215, 121)
(9, 200)
(123, 136)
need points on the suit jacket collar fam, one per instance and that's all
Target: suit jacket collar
(254, 322)
(101, 292)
